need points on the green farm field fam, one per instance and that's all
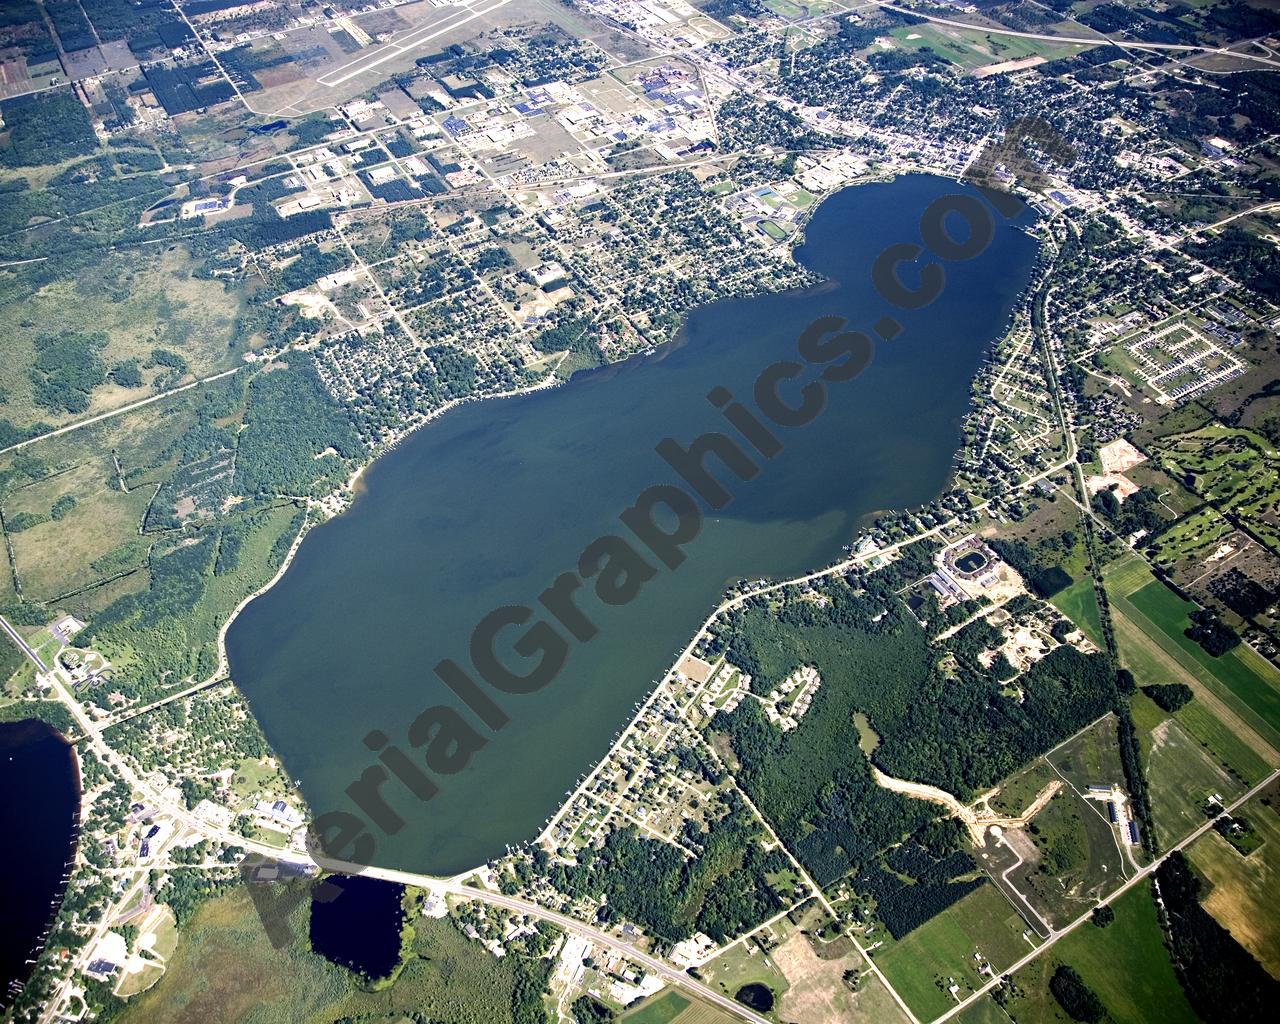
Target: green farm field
(944, 947)
(1079, 603)
(1125, 964)
(1240, 678)
(1246, 889)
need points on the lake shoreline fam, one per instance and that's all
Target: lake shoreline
(303, 670)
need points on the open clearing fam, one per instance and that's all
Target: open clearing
(1246, 890)
(139, 302)
(920, 964)
(817, 991)
(1125, 964)
(1182, 777)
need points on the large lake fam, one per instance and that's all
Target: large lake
(39, 806)
(485, 507)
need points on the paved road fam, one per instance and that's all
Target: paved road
(93, 737)
(22, 645)
(1058, 933)
(659, 967)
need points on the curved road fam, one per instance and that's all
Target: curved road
(661, 968)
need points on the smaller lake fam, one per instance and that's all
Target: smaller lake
(39, 813)
(755, 996)
(360, 928)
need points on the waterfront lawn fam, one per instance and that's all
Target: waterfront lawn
(1125, 964)
(920, 965)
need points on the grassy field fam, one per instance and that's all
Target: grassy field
(1017, 791)
(56, 557)
(744, 964)
(1181, 777)
(919, 966)
(1151, 664)
(976, 49)
(98, 538)
(815, 974)
(1092, 757)
(1240, 670)
(1125, 964)
(1246, 890)
(225, 971)
(666, 1006)
(139, 301)
(1079, 603)
(1222, 742)
(1241, 679)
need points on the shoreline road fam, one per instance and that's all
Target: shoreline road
(659, 967)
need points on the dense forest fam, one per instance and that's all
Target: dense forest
(920, 877)
(291, 419)
(45, 128)
(957, 732)
(1223, 982)
(722, 892)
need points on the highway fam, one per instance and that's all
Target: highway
(93, 737)
(453, 887)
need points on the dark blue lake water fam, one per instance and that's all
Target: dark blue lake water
(485, 507)
(39, 806)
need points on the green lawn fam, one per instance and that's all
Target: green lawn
(1125, 964)
(1240, 678)
(920, 964)
(662, 1008)
(1079, 603)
